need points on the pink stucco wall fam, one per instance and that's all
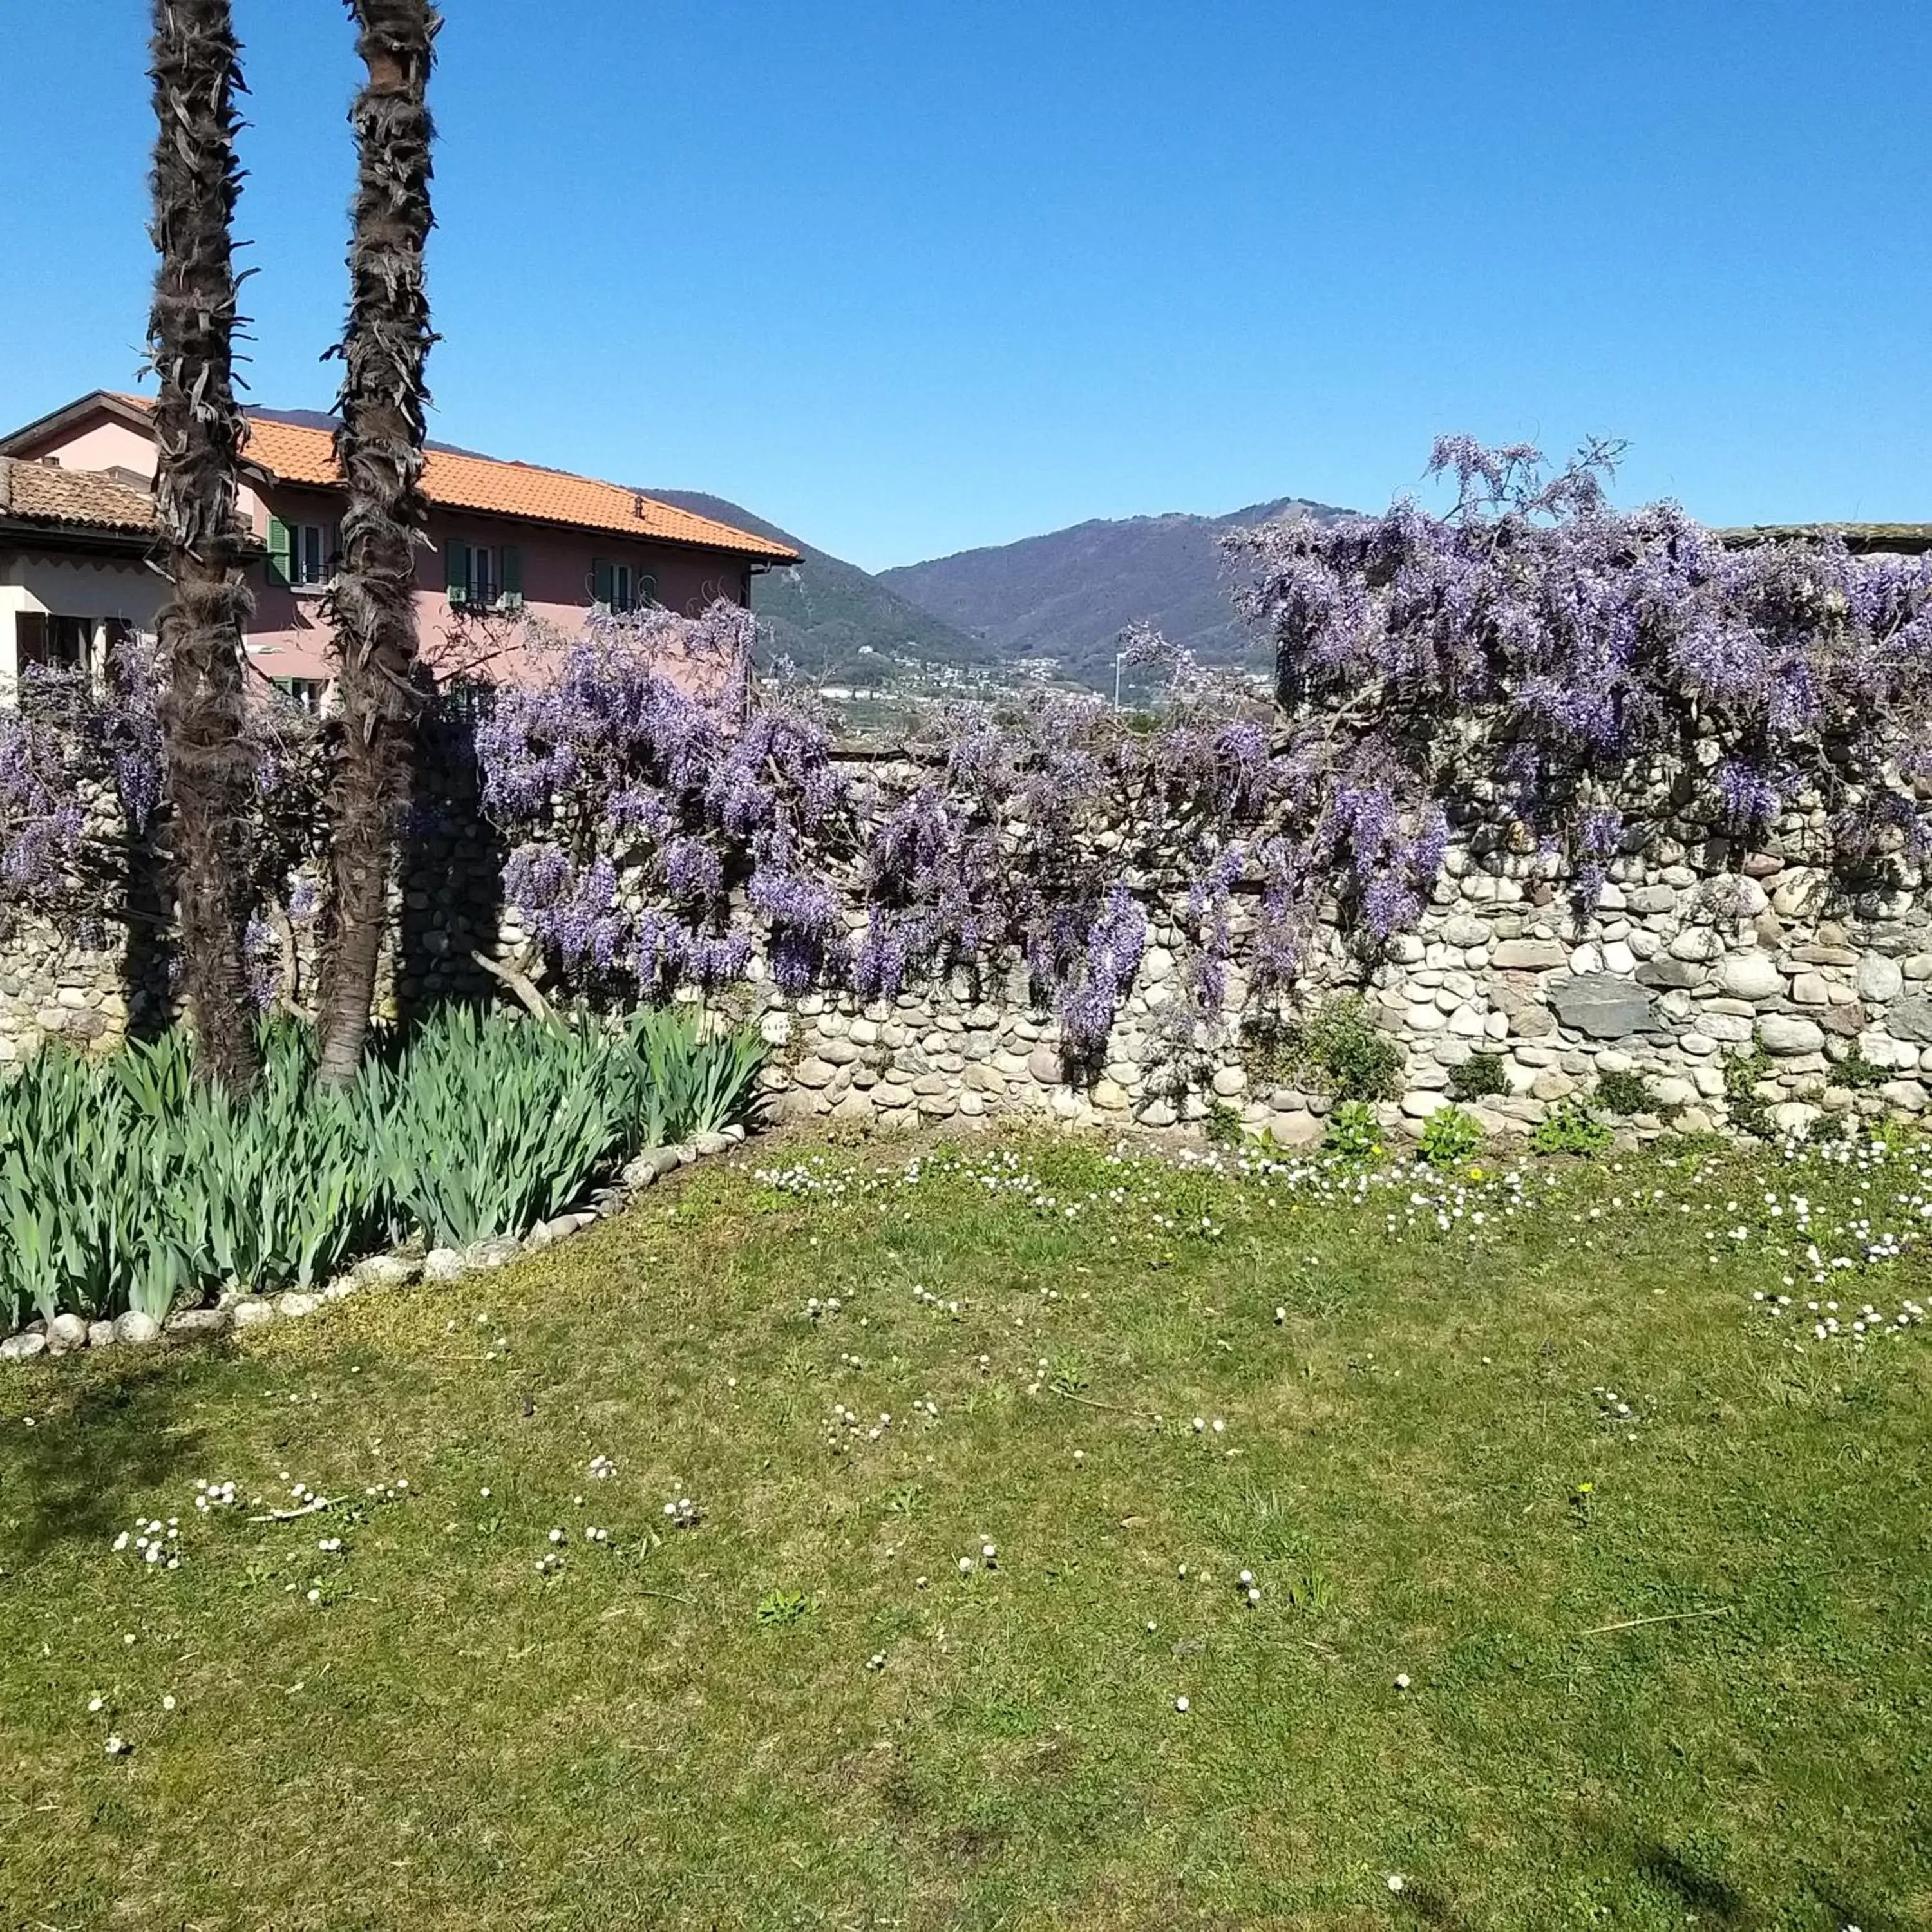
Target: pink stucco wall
(288, 638)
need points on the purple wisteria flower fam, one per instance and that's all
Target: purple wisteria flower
(1557, 676)
(1535, 651)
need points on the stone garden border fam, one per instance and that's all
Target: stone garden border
(238, 1312)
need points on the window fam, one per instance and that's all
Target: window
(305, 694)
(621, 586)
(302, 556)
(481, 577)
(54, 643)
(311, 554)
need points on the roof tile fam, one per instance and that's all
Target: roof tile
(299, 454)
(40, 493)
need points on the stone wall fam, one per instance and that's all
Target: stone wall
(1682, 968)
(1696, 953)
(51, 989)
(117, 975)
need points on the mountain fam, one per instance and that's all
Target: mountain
(829, 617)
(1068, 595)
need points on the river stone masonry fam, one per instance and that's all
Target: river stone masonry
(1695, 954)
(1683, 967)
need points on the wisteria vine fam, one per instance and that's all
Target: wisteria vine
(1552, 675)
(1556, 675)
(1578, 675)
(84, 830)
(658, 838)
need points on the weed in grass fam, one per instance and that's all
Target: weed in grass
(1308, 1591)
(1450, 1136)
(1615, 1413)
(1070, 1374)
(784, 1609)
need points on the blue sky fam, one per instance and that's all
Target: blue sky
(910, 278)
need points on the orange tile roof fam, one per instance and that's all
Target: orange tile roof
(297, 454)
(39, 493)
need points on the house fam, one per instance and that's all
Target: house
(517, 556)
(74, 570)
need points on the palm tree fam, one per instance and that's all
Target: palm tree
(380, 447)
(197, 74)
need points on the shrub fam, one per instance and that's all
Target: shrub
(1856, 1072)
(1477, 1078)
(1449, 1137)
(484, 1126)
(1269, 1049)
(487, 1123)
(1623, 1094)
(78, 1228)
(682, 1083)
(1750, 1112)
(1571, 1126)
(128, 1183)
(1335, 1049)
(1223, 1124)
(1353, 1133)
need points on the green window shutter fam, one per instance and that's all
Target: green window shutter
(281, 553)
(456, 572)
(600, 575)
(513, 574)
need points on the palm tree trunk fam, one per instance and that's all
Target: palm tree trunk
(197, 74)
(380, 446)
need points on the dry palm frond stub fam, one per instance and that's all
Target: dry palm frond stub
(384, 351)
(195, 70)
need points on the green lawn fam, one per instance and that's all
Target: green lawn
(1421, 1461)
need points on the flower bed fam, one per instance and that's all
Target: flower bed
(127, 1188)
